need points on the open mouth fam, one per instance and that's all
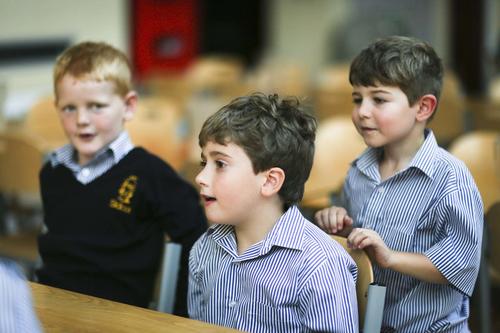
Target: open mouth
(208, 199)
(86, 136)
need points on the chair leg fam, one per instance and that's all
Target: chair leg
(484, 287)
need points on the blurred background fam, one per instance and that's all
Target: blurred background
(190, 57)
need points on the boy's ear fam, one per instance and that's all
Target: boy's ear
(426, 107)
(130, 105)
(273, 182)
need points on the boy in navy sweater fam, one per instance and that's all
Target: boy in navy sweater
(107, 204)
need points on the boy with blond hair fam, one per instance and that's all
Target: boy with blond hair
(410, 204)
(107, 204)
(262, 267)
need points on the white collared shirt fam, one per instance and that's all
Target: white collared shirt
(102, 162)
(432, 207)
(297, 279)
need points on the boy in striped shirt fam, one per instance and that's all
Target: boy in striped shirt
(413, 206)
(262, 267)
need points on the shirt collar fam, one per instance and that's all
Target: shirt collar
(287, 231)
(367, 163)
(118, 148)
(424, 157)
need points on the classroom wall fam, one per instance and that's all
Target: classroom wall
(34, 20)
(74, 19)
(308, 31)
(305, 31)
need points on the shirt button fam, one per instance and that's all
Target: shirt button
(85, 172)
(232, 304)
(380, 190)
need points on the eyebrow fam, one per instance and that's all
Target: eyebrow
(380, 91)
(377, 91)
(215, 153)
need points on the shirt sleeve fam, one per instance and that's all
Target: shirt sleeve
(457, 254)
(16, 308)
(328, 300)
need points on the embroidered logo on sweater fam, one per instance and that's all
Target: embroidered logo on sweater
(125, 194)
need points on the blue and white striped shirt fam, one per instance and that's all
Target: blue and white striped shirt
(297, 279)
(102, 162)
(432, 207)
(16, 308)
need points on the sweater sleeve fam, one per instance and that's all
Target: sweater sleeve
(177, 206)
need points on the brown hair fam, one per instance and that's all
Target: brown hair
(405, 62)
(273, 132)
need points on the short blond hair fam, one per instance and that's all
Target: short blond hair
(95, 61)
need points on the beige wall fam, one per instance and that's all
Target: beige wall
(299, 29)
(76, 20)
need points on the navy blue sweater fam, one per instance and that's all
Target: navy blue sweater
(106, 238)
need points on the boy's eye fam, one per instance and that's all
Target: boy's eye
(95, 107)
(68, 108)
(220, 164)
(378, 100)
(357, 100)
(203, 163)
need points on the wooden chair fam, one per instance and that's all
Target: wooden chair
(21, 158)
(332, 92)
(43, 123)
(337, 145)
(215, 74)
(489, 270)
(477, 150)
(159, 125)
(450, 119)
(171, 85)
(282, 77)
(370, 304)
(493, 223)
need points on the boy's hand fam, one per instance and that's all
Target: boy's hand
(334, 220)
(374, 245)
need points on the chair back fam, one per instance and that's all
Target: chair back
(450, 119)
(365, 275)
(493, 227)
(159, 126)
(337, 145)
(168, 277)
(215, 73)
(279, 76)
(477, 150)
(332, 93)
(21, 158)
(42, 121)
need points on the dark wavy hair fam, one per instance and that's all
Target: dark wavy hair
(273, 132)
(404, 62)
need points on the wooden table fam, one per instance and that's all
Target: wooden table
(65, 311)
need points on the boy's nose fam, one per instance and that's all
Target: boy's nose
(200, 178)
(364, 110)
(82, 117)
